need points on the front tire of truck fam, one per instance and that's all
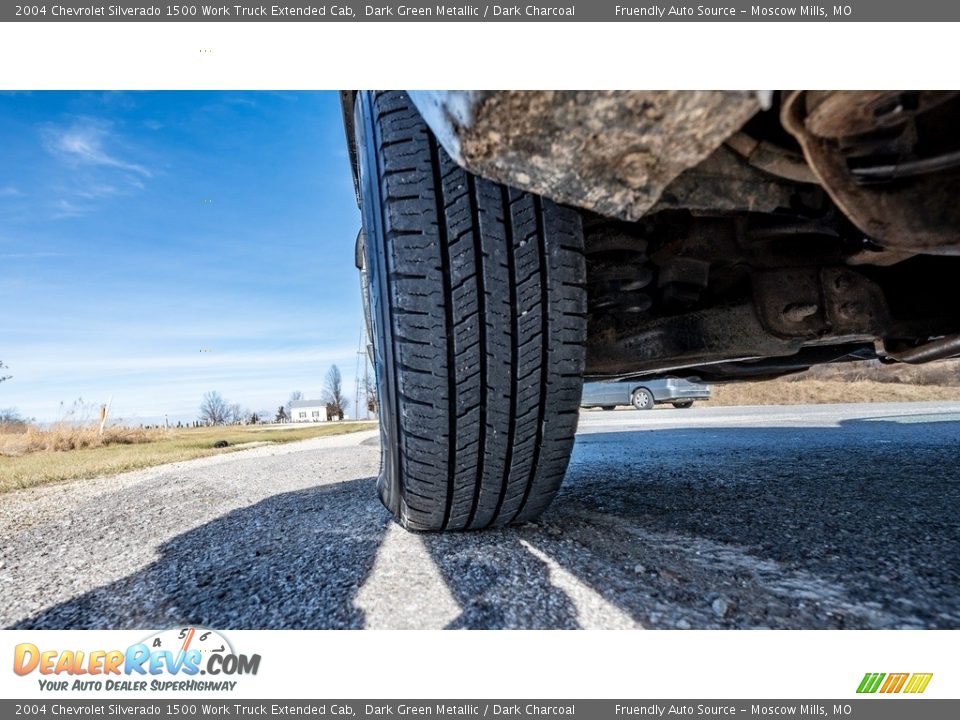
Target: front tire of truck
(478, 314)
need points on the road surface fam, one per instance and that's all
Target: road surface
(840, 516)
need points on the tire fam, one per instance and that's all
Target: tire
(478, 310)
(642, 399)
(683, 404)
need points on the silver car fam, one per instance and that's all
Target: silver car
(643, 394)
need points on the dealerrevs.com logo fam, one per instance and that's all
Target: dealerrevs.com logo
(887, 683)
(170, 660)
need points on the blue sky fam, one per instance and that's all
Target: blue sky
(154, 246)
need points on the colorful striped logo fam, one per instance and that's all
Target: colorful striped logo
(894, 682)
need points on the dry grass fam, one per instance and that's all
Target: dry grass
(807, 392)
(63, 453)
(945, 373)
(62, 437)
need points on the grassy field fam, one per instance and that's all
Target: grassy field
(38, 457)
(68, 452)
(806, 392)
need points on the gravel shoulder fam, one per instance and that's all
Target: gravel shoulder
(839, 516)
(116, 552)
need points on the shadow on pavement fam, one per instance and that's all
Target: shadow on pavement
(295, 560)
(498, 583)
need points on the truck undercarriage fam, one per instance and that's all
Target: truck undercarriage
(735, 234)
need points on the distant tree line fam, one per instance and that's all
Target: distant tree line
(216, 410)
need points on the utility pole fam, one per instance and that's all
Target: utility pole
(366, 383)
(356, 378)
(362, 357)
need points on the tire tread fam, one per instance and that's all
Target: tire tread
(488, 320)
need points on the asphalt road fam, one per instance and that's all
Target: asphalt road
(842, 516)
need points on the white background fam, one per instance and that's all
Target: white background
(719, 664)
(811, 55)
(547, 664)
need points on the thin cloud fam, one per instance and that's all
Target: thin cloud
(96, 191)
(29, 255)
(211, 364)
(85, 143)
(10, 191)
(99, 162)
(66, 209)
(239, 100)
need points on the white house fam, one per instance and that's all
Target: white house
(308, 411)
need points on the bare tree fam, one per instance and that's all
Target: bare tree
(281, 415)
(369, 391)
(4, 367)
(11, 421)
(214, 410)
(294, 396)
(333, 393)
(236, 414)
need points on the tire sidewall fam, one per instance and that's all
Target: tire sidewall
(375, 259)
